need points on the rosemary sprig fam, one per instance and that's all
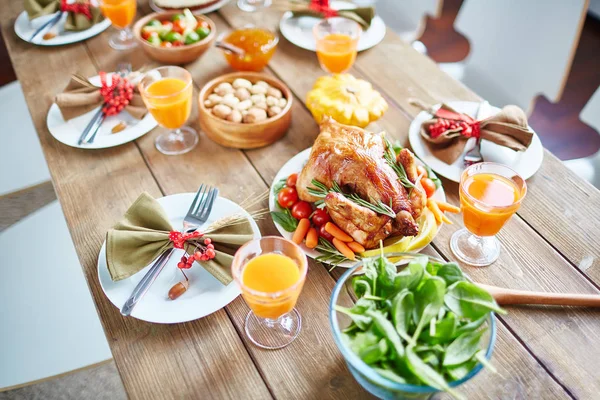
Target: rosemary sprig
(390, 158)
(320, 190)
(330, 255)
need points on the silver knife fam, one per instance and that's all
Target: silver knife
(92, 127)
(52, 23)
(147, 281)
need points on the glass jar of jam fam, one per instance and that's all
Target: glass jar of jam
(258, 45)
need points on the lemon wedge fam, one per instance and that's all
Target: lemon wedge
(427, 230)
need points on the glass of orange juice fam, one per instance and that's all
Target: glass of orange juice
(121, 14)
(271, 272)
(490, 194)
(167, 92)
(337, 42)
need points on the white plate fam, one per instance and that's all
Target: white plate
(203, 10)
(299, 30)
(295, 165)
(68, 132)
(24, 29)
(205, 294)
(525, 163)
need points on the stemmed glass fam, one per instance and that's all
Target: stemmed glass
(337, 43)
(167, 92)
(273, 322)
(121, 14)
(490, 194)
(253, 5)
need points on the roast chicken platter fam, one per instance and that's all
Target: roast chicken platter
(356, 161)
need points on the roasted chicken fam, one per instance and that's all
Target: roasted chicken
(354, 159)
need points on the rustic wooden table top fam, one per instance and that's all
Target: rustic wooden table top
(552, 244)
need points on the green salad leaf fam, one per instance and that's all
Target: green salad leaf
(285, 219)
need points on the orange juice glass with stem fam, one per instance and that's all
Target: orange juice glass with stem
(270, 273)
(167, 92)
(337, 43)
(490, 194)
(121, 14)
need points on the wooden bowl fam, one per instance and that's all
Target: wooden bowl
(240, 135)
(174, 55)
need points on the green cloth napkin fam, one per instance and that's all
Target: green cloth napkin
(143, 234)
(79, 22)
(362, 15)
(74, 22)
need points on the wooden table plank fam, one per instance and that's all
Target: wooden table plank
(95, 188)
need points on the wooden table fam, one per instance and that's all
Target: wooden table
(553, 244)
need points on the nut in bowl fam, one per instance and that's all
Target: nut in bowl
(245, 110)
(174, 37)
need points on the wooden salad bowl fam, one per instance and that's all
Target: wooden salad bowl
(240, 135)
(174, 55)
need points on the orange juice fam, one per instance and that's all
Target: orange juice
(169, 100)
(498, 199)
(120, 12)
(270, 274)
(336, 52)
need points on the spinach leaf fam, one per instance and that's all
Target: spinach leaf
(444, 330)
(470, 326)
(391, 375)
(433, 267)
(430, 358)
(374, 353)
(425, 373)
(361, 320)
(410, 276)
(285, 219)
(451, 273)
(362, 340)
(433, 176)
(386, 329)
(280, 184)
(468, 300)
(402, 306)
(457, 372)
(424, 347)
(462, 349)
(429, 298)
(386, 273)
(361, 286)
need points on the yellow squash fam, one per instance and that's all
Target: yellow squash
(346, 99)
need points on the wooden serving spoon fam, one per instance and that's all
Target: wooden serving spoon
(505, 296)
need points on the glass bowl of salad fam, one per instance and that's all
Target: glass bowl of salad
(409, 325)
(175, 37)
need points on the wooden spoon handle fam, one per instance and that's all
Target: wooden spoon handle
(505, 296)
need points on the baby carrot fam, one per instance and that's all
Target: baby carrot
(337, 232)
(446, 220)
(443, 206)
(343, 248)
(301, 231)
(356, 247)
(312, 238)
(437, 213)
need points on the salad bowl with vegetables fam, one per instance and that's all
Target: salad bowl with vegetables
(310, 225)
(175, 37)
(412, 327)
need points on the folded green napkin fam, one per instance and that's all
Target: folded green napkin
(74, 22)
(362, 15)
(143, 234)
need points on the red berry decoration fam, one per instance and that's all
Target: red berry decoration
(117, 95)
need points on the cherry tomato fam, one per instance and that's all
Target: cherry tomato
(166, 44)
(421, 171)
(324, 234)
(320, 217)
(287, 197)
(145, 34)
(429, 186)
(178, 26)
(177, 44)
(165, 22)
(301, 209)
(203, 24)
(291, 180)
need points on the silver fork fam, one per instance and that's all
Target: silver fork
(123, 69)
(474, 156)
(197, 214)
